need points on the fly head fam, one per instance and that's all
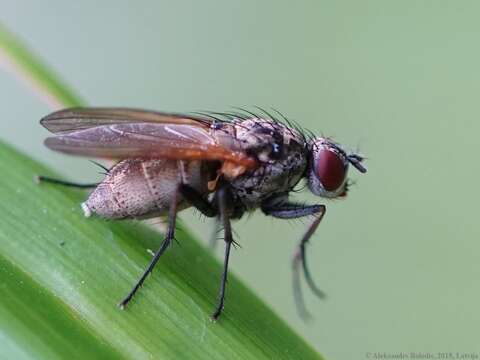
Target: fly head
(328, 168)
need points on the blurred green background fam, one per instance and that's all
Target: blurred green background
(400, 80)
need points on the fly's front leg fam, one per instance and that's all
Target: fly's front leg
(227, 228)
(169, 237)
(288, 210)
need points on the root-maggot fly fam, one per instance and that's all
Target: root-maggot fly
(223, 164)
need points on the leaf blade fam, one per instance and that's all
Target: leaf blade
(89, 264)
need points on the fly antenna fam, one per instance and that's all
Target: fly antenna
(356, 161)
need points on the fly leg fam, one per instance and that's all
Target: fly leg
(293, 211)
(169, 237)
(46, 179)
(210, 209)
(212, 243)
(225, 222)
(196, 199)
(206, 207)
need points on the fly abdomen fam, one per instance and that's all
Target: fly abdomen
(139, 188)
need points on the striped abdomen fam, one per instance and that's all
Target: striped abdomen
(137, 188)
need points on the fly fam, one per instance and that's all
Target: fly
(223, 164)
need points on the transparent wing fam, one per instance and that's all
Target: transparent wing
(73, 119)
(147, 140)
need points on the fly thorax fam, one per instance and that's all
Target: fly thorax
(281, 153)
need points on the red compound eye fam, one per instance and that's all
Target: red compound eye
(330, 169)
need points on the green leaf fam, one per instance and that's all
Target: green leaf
(61, 276)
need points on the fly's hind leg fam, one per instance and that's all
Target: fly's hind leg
(46, 179)
(205, 207)
(169, 237)
(288, 210)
